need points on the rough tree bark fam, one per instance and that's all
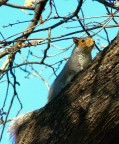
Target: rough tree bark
(85, 112)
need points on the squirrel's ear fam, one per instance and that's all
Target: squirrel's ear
(76, 40)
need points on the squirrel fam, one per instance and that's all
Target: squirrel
(79, 60)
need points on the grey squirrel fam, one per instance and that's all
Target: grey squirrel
(80, 58)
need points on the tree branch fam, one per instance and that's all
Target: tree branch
(86, 111)
(111, 5)
(19, 7)
(27, 32)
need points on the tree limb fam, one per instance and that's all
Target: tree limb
(111, 5)
(27, 32)
(85, 112)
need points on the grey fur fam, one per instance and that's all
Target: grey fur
(77, 62)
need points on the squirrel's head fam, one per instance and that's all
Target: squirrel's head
(84, 44)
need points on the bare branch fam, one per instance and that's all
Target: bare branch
(20, 7)
(28, 31)
(111, 5)
(7, 61)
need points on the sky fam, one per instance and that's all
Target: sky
(32, 90)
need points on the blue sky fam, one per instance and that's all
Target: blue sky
(32, 91)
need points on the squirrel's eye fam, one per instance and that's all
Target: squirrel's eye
(83, 40)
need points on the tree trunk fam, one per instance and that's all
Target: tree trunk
(85, 112)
